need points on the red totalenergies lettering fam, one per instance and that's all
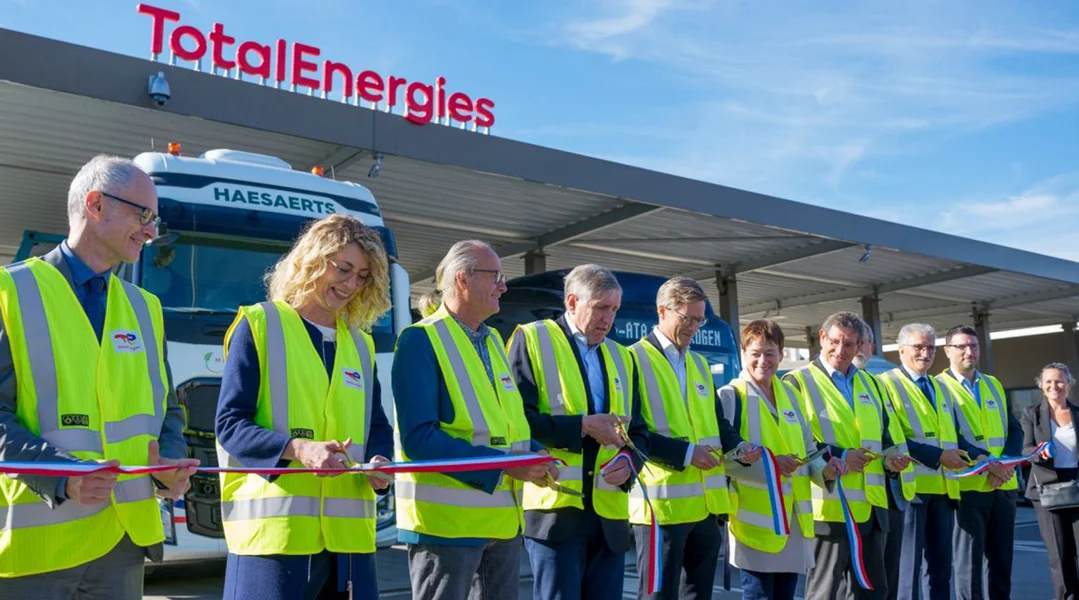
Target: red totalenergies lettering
(423, 102)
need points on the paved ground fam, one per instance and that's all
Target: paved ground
(1030, 576)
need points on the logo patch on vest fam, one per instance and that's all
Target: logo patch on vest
(305, 434)
(125, 340)
(75, 420)
(991, 403)
(507, 382)
(498, 441)
(703, 391)
(617, 385)
(352, 378)
(944, 406)
(864, 399)
(790, 416)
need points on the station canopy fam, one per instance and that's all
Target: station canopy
(61, 104)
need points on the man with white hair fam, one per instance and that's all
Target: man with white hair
(925, 409)
(579, 394)
(84, 378)
(455, 398)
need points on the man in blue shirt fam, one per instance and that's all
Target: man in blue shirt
(112, 212)
(470, 281)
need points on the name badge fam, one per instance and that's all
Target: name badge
(125, 340)
(352, 378)
(507, 382)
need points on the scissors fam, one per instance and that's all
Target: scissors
(558, 487)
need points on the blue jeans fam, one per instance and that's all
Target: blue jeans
(768, 586)
(580, 568)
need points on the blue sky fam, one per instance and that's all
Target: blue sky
(961, 116)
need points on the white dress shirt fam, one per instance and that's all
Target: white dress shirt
(677, 358)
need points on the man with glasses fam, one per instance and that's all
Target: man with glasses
(579, 397)
(986, 516)
(688, 436)
(846, 412)
(84, 378)
(925, 409)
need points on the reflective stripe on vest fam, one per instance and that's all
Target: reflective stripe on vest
(38, 514)
(481, 433)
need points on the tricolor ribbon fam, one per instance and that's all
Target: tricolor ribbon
(774, 480)
(452, 465)
(1045, 449)
(654, 576)
(853, 536)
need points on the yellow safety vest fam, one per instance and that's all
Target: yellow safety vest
(562, 392)
(924, 425)
(782, 433)
(835, 423)
(95, 399)
(303, 514)
(689, 495)
(899, 439)
(484, 414)
(985, 426)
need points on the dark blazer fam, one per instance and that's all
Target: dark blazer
(1037, 428)
(18, 444)
(564, 432)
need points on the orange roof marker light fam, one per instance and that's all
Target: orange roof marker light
(174, 148)
(318, 170)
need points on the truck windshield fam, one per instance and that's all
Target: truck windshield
(216, 279)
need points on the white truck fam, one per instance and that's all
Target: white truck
(227, 218)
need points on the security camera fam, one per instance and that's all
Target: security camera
(159, 89)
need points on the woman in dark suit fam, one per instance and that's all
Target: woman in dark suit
(1055, 419)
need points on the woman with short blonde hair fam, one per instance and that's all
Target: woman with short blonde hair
(300, 389)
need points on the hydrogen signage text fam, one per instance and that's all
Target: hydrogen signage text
(298, 66)
(635, 330)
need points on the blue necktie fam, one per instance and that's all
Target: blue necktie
(94, 304)
(927, 390)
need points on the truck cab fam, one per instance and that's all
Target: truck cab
(227, 217)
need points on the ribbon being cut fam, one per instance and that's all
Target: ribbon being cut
(388, 468)
(1045, 449)
(654, 576)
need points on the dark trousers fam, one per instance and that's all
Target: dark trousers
(768, 586)
(1060, 529)
(575, 569)
(115, 576)
(487, 572)
(893, 549)
(322, 576)
(833, 575)
(690, 553)
(926, 560)
(984, 536)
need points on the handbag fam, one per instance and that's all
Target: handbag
(1058, 496)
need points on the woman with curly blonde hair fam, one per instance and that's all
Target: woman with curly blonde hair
(300, 389)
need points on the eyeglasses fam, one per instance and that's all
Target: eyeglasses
(146, 215)
(921, 348)
(500, 277)
(962, 347)
(700, 321)
(345, 272)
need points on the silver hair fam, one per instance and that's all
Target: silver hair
(463, 257)
(911, 328)
(867, 333)
(104, 173)
(1063, 368)
(847, 321)
(584, 281)
(677, 291)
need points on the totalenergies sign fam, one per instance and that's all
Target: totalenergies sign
(298, 66)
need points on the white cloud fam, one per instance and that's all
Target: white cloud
(1042, 218)
(786, 97)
